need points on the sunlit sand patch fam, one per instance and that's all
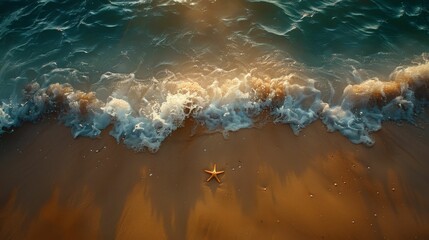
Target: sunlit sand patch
(138, 219)
(12, 218)
(66, 220)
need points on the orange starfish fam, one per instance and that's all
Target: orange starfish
(214, 174)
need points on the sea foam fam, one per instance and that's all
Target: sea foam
(144, 113)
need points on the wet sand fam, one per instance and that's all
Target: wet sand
(276, 185)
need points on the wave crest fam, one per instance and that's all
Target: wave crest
(144, 113)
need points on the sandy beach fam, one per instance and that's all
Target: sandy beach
(276, 185)
(113, 113)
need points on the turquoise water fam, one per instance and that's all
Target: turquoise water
(146, 66)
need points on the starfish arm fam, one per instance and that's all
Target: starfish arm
(220, 172)
(218, 180)
(209, 172)
(210, 178)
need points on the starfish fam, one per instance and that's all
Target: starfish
(214, 174)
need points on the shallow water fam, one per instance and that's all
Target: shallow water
(146, 66)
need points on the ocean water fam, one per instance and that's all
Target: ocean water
(145, 66)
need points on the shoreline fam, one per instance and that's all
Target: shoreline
(276, 185)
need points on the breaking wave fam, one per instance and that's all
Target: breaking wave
(144, 113)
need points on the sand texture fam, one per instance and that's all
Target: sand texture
(276, 185)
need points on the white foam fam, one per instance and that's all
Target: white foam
(6, 120)
(355, 128)
(144, 113)
(364, 106)
(300, 107)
